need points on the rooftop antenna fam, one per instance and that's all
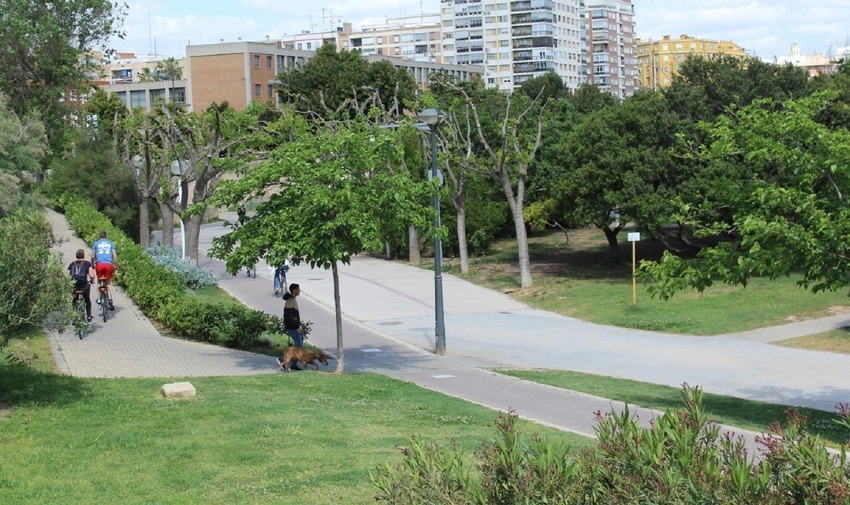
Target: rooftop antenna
(150, 38)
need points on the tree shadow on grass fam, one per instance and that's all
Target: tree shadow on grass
(22, 385)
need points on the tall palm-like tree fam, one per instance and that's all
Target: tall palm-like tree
(169, 69)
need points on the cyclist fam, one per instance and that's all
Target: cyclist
(280, 278)
(105, 262)
(83, 274)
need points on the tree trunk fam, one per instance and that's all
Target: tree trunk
(515, 204)
(613, 245)
(522, 245)
(167, 224)
(192, 224)
(413, 246)
(460, 207)
(340, 351)
(145, 222)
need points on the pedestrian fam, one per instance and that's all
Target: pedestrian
(292, 319)
(241, 213)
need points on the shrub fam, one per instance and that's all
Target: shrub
(680, 459)
(161, 294)
(194, 276)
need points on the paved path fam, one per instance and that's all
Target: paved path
(389, 327)
(128, 345)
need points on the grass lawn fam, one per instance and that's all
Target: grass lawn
(752, 415)
(579, 279)
(304, 437)
(834, 341)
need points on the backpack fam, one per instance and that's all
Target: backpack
(79, 272)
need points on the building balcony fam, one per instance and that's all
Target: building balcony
(532, 5)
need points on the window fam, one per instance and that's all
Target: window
(137, 99)
(271, 90)
(269, 62)
(178, 95)
(256, 62)
(157, 96)
(257, 90)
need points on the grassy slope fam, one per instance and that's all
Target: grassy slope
(291, 438)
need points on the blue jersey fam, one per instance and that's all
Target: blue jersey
(103, 251)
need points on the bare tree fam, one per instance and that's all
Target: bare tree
(510, 160)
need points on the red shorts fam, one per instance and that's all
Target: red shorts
(104, 270)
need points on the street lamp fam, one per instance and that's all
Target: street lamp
(432, 118)
(177, 170)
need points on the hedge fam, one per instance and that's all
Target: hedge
(161, 293)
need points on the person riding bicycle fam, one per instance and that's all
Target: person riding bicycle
(105, 262)
(280, 278)
(83, 274)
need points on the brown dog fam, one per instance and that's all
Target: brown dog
(306, 356)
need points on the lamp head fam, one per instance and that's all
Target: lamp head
(432, 116)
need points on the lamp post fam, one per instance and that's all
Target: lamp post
(177, 170)
(432, 118)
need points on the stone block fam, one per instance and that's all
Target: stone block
(178, 390)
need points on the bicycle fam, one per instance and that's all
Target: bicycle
(103, 299)
(280, 286)
(80, 320)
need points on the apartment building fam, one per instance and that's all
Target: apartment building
(516, 40)
(611, 49)
(414, 38)
(659, 60)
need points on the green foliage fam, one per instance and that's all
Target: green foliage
(702, 89)
(36, 288)
(161, 293)
(681, 458)
(23, 141)
(94, 172)
(109, 110)
(487, 215)
(194, 276)
(328, 191)
(49, 49)
(549, 86)
(334, 84)
(776, 201)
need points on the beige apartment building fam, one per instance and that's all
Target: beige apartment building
(659, 60)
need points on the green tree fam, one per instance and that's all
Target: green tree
(588, 98)
(335, 84)
(325, 191)
(704, 88)
(95, 172)
(35, 285)
(105, 112)
(169, 69)
(777, 204)
(23, 141)
(206, 146)
(50, 49)
(617, 167)
(549, 86)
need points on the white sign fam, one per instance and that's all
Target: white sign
(634, 237)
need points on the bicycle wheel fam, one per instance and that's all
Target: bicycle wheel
(104, 304)
(80, 318)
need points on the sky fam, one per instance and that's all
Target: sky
(766, 28)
